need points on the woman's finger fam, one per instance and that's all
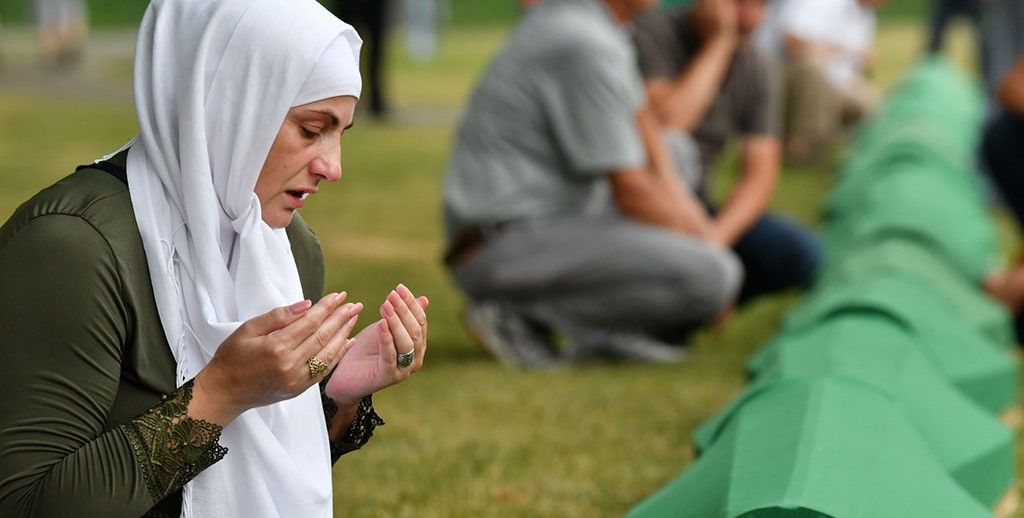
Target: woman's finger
(417, 332)
(302, 329)
(413, 304)
(402, 341)
(324, 335)
(387, 342)
(339, 344)
(273, 320)
(421, 352)
(409, 321)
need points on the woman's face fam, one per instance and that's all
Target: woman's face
(307, 150)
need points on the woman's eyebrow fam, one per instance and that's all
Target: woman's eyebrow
(334, 118)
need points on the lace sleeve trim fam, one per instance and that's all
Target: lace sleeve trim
(359, 432)
(171, 447)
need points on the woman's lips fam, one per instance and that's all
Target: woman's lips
(296, 198)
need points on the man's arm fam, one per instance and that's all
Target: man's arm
(655, 195)
(1011, 93)
(682, 102)
(761, 156)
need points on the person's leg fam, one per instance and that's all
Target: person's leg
(777, 254)
(942, 13)
(369, 17)
(856, 103)
(46, 12)
(812, 111)
(377, 22)
(607, 275)
(1003, 155)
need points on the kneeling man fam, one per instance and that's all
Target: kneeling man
(566, 219)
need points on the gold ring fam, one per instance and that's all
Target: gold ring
(317, 367)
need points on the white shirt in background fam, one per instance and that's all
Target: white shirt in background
(845, 25)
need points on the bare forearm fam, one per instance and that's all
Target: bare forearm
(655, 208)
(662, 165)
(683, 103)
(752, 196)
(664, 192)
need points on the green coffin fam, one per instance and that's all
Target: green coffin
(810, 449)
(936, 94)
(861, 172)
(972, 446)
(915, 204)
(912, 260)
(980, 369)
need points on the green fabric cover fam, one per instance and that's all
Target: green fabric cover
(982, 370)
(915, 204)
(812, 448)
(974, 447)
(913, 260)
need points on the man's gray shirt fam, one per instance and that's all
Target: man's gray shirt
(749, 102)
(552, 116)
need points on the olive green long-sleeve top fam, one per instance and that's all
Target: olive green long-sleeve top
(87, 373)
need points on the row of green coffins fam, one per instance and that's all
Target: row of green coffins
(880, 396)
(911, 175)
(859, 409)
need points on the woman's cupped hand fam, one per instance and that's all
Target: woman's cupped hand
(370, 362)
(267, 359)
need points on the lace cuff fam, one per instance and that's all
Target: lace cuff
(359, 432)
(171, 447)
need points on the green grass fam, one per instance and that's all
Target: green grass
(465, 437)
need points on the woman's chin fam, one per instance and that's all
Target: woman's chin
(279, 219)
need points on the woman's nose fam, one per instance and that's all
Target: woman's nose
(328, 164)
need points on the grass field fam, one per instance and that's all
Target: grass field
(465, 437)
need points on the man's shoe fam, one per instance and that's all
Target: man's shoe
(599, 345)
(511, 338)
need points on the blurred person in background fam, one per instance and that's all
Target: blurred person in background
(705, 78)
(62, 29)
(825, 46)
(943, 12)
(372, 19)
(1003, 154)
(1002, 34)
(565, 216)
(1003, 145)
(422, 18)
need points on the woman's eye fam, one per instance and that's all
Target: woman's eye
(309, 133)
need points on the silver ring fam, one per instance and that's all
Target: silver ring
(405, 359)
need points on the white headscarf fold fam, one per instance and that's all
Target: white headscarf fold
(214, 80)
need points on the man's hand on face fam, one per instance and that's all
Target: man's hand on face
(715, 19)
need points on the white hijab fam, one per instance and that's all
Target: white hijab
(214, 80)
